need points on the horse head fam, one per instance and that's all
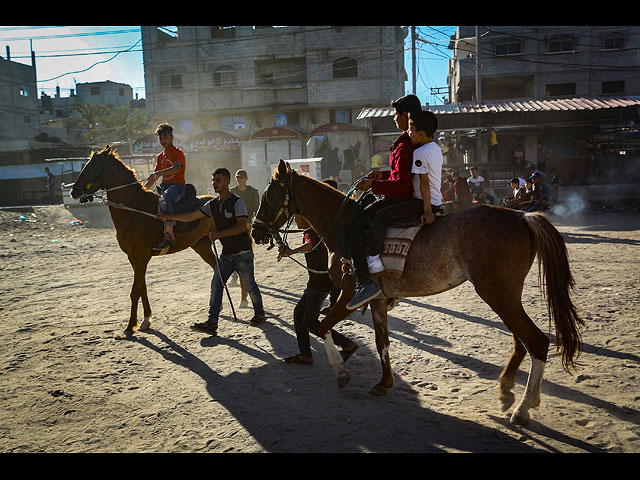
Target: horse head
(277, 204)
(92, 176)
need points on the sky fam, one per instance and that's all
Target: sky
(66, 55)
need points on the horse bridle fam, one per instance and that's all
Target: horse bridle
(95, 168)
(284, 204)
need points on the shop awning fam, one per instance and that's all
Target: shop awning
(558, 105)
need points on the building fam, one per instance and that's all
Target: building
(572, 90)
(518, 62)
(19, 114)
(246, 96)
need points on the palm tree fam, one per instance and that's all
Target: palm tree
(91, 115)
(123, 124)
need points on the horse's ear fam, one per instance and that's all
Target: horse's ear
(282, 169)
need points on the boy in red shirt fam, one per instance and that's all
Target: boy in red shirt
(391, 187)
(170, 165)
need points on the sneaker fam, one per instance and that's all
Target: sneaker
(375, 264)
(364, 293)
(258, 318)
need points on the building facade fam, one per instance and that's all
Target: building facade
(233, 92)
(19, 114)
(524, 62)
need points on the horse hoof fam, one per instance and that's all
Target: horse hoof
(343, 379)
(146, 324)
(506, 400)
(125, 335)
(378, 391)
(518, 418)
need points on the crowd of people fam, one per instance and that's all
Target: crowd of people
(532, 190)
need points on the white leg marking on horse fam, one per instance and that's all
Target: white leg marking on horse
(531, 397)
(332, 352)
(146, 323)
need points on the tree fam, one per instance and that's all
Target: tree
(91, 116)
(124, 124)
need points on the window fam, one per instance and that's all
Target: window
(236, 122)
(613, 87)
(218, 31)
(508, 47)
(170, 79)
(345, 68)
(94, 91)
(561, 89)
(614, 41)
(340, 116)
(23, 91)
(224, 77)
(284, 119)
(560, 44)
(121, 92)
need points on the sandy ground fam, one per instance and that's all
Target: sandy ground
(67, 385)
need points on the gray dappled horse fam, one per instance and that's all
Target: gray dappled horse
(492, 247)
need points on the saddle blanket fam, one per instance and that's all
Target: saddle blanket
(396, 248)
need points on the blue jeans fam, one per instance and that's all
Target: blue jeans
(243, 264)
(172, 194)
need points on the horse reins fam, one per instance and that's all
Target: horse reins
(284, 209)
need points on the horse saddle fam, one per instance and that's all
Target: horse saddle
(188, 203)
(399, 238)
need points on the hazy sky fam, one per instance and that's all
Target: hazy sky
(78, 54)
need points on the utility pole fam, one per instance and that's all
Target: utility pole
(478, 84)
(413, 58)
(478, 95)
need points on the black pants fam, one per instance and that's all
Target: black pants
(305, 321)
(378, 215)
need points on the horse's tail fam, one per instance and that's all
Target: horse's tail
(553, 261)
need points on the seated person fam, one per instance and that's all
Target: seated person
(528, 198)
(476, 184)
(462, 192)
(389, 188)
(519, 193)
(542, 194)
(170, 165)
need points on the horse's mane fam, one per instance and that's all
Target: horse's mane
(128, 170)
(335, 192)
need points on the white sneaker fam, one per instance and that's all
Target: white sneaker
(375, 264)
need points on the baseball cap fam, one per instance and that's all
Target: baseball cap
(241, 173)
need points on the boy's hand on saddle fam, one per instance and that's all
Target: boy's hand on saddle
(364, 184)
(427, 218)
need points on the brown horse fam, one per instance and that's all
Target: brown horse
(492, 247)
(132, 208)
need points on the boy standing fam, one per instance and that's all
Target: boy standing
(170, 165)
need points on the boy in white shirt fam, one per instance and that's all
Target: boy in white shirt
(427, 172)
(427, 163)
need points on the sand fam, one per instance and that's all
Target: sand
(67, 385)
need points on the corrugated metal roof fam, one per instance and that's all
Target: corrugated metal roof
(565, 104)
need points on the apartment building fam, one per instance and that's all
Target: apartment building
(19, 114)
(538, 62)
(245, 96)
